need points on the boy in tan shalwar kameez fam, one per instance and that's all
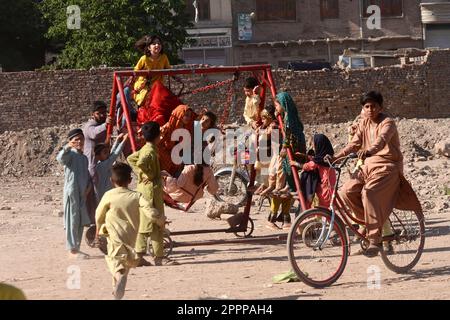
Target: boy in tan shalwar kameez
(118, 217)
(374, 192)
(252, 109)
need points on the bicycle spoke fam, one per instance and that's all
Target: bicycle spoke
(407, 245)
(236, 194)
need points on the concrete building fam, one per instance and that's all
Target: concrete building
(287, 30)
(211, 37)
(436, 23)
(280, 31)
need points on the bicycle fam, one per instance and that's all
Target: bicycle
(319, 243)
(233, 180)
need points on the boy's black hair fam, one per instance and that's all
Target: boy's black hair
(212, 116)
(121, 174)
(372, 96)
(99, 105)
(271, 110)
(99, 148)
(251, 83)
(151, 130)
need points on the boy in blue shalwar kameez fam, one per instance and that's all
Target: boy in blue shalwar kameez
(77, 184)
(105, 159)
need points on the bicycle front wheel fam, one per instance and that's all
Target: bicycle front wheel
(316, 262)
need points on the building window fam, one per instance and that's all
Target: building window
(270, 10)
(329, 9)
(214, 57)
(389, 8)
(204, 12)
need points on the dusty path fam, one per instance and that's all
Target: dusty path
(33, 257)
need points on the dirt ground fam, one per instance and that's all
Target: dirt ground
(33, 258)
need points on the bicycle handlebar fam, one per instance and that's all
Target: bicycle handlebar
(346, 158)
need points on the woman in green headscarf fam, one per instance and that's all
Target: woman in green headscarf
(282, 176)
(293, 127)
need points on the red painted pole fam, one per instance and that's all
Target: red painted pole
(112, 110)
(289, 149)
(151, 73)
(126, 112)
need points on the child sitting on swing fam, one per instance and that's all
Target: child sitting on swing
(252, 108)
(279, 190)
(190, 184)
(319, 170)
(153, 58)
(264, 133)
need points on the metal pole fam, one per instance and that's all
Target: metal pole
(257, 240)
(361, 31)
(123, 100)
(112, 110)
(192, 71)
(289, 150)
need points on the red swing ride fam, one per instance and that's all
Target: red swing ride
(263, 73)
(317, 235)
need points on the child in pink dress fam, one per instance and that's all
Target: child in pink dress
(326, 175)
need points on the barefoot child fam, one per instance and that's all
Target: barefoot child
(77, 185)
(117, 218)
(104, 160)
(145, 164)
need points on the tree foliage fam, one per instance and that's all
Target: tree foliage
(109, 29)
(22, 43)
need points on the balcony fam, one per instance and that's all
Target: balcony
(435, 12)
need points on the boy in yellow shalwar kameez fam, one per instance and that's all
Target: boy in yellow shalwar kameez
(145, 164)
(117, 217)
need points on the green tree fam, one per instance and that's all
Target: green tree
(22, 31)
(109, 29)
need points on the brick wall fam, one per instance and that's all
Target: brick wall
(48, 98)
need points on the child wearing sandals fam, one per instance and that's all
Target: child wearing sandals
(278, 189)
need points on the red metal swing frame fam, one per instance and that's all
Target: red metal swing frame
(265, 78)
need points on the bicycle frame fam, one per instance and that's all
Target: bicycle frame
(237, 163)
(337, 203)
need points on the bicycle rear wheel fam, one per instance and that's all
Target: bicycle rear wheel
(407, 243)
(315, 266)
(235, 192)
(248, 232)
(168, 246)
